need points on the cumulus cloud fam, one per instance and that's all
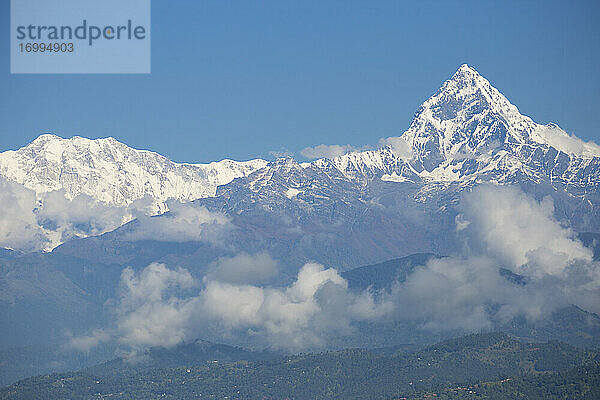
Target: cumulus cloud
(519, 231)
(18, 223)
(157, 308)
(149, 312)
(561, 140)
(30, 223)
(326, 151)
(88, 342)
(505, 229)
(398, 145)
(449, 294)
(183, 222)
(85, 216)
(296, 317)
(517, 261)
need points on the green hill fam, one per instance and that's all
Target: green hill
(347, 374)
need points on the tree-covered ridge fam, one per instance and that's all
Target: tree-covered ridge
(347, 374)
(581, 382)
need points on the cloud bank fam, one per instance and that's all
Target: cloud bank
(520, 232)
(504, 232)
(502, 228)
(32, 223)
(160, 306)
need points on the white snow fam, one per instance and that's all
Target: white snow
(466, 130)
(111, 172)
(292, 192)
(468, 119)
(394, 177)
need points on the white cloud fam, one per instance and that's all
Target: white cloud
(84, 216)
(449, 294)
(88, 342)
(149, 313)
(502, 228)
(296, 317)
(245, 268)
(151, 284)
(519, 231)
(31, 223)
(326, 151)
(158, 307)
(559, 139)
(19, 229)
(398, 145)
(459, 293)
(183, 222)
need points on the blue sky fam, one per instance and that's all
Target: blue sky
(240, 79)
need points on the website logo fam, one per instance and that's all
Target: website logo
(80, 36)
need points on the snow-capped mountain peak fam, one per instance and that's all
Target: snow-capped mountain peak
(113, 172)
(466, 116)
(470, 132)
(466, 132)
(472, 89)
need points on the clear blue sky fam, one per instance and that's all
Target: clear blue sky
(239, 79)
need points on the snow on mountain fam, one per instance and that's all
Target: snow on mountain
(404, 197)
(466, 132)
(466, 116)
(469, 132)
(111, 172)
(552, 135)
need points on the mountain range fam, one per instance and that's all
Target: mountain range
(464, 135)
(112, 172)
(472, 367)
(387, 210)
(467, 131)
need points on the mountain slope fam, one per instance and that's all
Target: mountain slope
(468, 131)
(347, 374)
(112, 172)
(385, 274)
(465, 135)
